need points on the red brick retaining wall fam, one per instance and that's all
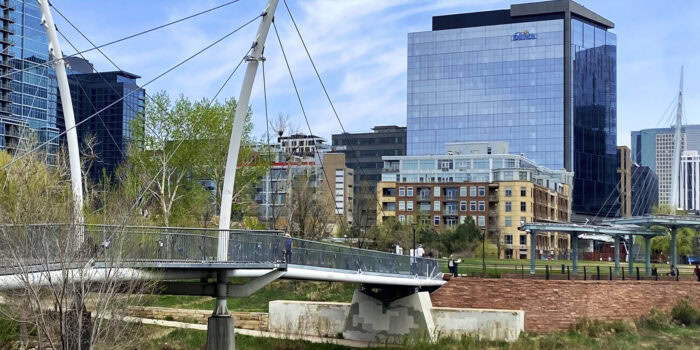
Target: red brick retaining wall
(556, 305)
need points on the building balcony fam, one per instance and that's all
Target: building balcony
(450, 211)
(390, 170)
(450, 196)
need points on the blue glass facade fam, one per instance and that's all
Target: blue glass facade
(540, 77)
(594, 113)
(479, 84)
(30, 88)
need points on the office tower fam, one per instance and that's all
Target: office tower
(25, 96)
(541, 76)
(117, 98)
(654, 148)
(645, 190)
(363, 154)
(690, 181)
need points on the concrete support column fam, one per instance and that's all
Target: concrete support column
(220, 327)
(647, 255)
(630, 258)
(533, 248)
(574, 251)
(674, 257)
(374, 320)
(617, 255)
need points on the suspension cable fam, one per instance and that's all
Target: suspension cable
(50, 62)
(328, 97)
(131, 93)
(308, 125)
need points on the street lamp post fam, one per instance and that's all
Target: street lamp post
(413, 225)
(483, 250)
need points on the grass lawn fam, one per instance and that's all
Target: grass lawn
(602, 336)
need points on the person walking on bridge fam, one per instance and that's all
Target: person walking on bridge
(288, 248)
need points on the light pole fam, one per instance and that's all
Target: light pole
(413, 225)
(483, 250)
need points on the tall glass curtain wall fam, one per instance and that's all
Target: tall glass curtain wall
(30, 98)
(594, 104)
(480, 84)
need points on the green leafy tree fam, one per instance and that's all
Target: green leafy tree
(462, 238)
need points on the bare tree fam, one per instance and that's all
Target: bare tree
(65, 292)
(311, 215)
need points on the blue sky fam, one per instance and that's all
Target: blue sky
(360, 49)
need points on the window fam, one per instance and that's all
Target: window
(436, 191)
(409, 205)
(463, 205)
(472, 205)
(523, 206)
(402, 191)
(482, 191)
(482, 221)
(508, 239)
(462, 219)
(402, 219)
(523, 192)
(463, 191)
(508, 222)
(523, 239)
(472, 191)
(436, 220)
(509, 191)
(508, 206)
(409, 191)
(402, 205)
(436, 205)
(482, 206)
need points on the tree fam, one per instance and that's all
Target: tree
(364, 214)
(462, 238)
(684, 242)
(177, 146)
(64, 305)
(311, 217)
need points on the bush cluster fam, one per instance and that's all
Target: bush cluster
(685, 313)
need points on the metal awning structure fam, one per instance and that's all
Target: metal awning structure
(613, 229)
(670, 222)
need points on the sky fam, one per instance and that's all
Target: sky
(359, 48)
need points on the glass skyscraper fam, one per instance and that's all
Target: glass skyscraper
(25, 45)
(540, 76)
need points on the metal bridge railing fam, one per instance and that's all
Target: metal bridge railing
(47, 243)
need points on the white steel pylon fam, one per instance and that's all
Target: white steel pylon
(64, 89)
(237, 131)
(674, 195)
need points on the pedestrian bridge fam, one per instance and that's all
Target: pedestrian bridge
(170, 253)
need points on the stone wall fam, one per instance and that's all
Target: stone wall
(323, 319)
(556, 305)
(245, 320)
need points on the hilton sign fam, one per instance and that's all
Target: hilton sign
(524, 36)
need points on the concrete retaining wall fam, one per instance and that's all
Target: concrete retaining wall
(484, 323)
(309, 318)
(328, 319)
(245, 320)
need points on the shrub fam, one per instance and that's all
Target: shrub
(655, 320)
(684, 313)
(598, 328)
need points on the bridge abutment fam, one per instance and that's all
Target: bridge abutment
(374, 319)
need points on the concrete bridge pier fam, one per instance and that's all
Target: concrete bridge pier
(388, 313)
(220, 326)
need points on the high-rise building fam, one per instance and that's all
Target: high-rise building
(645, 190)
(654, 148)
(540, 76)
(117, 98)
(363, 154)
(25, 96)
(690, 181)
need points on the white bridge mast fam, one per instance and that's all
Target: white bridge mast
(64, 89)
(674, 195)
(237, 131)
